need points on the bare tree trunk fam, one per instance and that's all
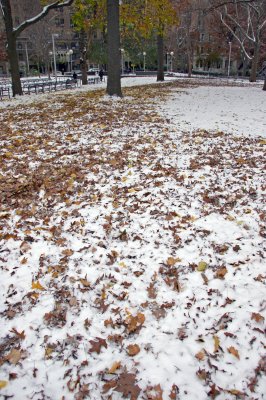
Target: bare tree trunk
(11, 49)
(83, 58)
(113, 49)
(264, 86)
(160, 55)
(254, 65)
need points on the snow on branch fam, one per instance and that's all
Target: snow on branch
(43, 13)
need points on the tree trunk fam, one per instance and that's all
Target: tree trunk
(160, 55)
(264, 86)
(11, 49)
(113, 49)
(83, 59)
(254, 64)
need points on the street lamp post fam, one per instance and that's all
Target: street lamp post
(144, 60)
(54, 35)
(172, 54)
(70, 53)
(122, 60)
(229, 58)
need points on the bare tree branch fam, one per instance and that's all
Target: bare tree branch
(43, 13)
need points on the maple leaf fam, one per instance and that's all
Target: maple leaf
(233, 351)
(126, 384)
(133, 349)
(97, 345)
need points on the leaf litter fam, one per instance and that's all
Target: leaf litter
(132, 253)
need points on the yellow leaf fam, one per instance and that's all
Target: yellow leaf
(262, 141)
(216, 343)
(48, 352)
(37, 285)
(124, 179)
(202, 265)
(3, 384)
(233, 351)
(114, 367)
(122, 264)
(172, 261)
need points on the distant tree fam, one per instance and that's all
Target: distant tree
(246, 22)
(89, 15)
(12, 34)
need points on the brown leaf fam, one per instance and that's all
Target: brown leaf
(134, 323)
(216, 343)
(114, 367)
(24, 247)
(97, 345)
(174, 392)
(172, 261)
(221, 272)
(67, 252)
(257, 317)
(85, 282)
(200, 355)
(14, 356)
(133, 349)
(20, 335)
(126, 384)
(233, 351)
(154, 392)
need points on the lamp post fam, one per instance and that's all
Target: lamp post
(144, 60)
(171, 60)
(122, 60)
(54, 35)
(229, 59)
(70, 53)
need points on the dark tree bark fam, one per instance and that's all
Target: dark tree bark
(254, 64)
(11, 49)
(160, 55)
(83, 58)
(13, 33)
(113, 49)
(264, 86)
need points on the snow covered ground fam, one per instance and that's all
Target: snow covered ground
(133, 244)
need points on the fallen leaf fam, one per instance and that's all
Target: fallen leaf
(216, 343)
(172, 261)
(257, 317)
(200, 355)
(67, 252)
(221, 272)
(202, 265)
(97, 345)
(233, 351)
(3, 384)
(133, 349)
(85, 282)
(14, 356)
(154, 392)
(114, 367)
(37, 285)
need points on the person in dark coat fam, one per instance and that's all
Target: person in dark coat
(101, 75)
